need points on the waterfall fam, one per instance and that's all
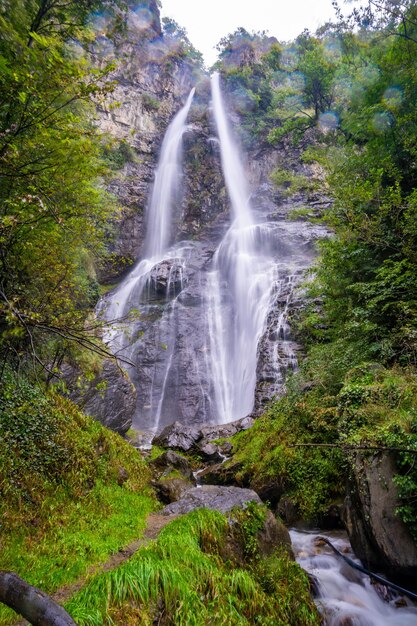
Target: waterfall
(204, 320)
(165, 197)
(241, 286)
(166, 188)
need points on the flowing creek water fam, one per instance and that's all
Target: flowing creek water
(347, 597)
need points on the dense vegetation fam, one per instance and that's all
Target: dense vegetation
(344, 100)
(68, 487)
(202, 569)
(53, 205)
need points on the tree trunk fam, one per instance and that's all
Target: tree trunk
(33, 604)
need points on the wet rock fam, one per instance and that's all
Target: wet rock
(177, 436)
(169, 461)
(273, 534)
(209, 452)
(378, 537)
(110, 397)
(332, 518)
(271, 491)
(168, 277)
(287, 511)
(220, 431)
(222, 474)
(171, 489)
(221, 499)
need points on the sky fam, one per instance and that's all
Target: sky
(207, 21)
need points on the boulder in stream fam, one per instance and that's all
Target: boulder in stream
(167, 277)
(378, 536)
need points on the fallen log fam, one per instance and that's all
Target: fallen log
(32, 603)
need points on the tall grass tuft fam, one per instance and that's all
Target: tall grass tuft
(183, 579)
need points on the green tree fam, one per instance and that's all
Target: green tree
(173, 30)
(368, 271)
(52, 199)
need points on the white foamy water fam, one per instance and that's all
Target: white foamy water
(240, 285)
(346, 596)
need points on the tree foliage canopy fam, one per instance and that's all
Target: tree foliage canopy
(52, 199)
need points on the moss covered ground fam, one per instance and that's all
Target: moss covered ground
(307, 440)
(72, 492)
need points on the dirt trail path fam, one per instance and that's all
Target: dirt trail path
(155, 523)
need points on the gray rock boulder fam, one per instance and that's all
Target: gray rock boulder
(209, 452)
(172, 489)
(110, 397)
(168, 277)
(222, 474)
(219, 431)
(169, 461)
(177, 436)
(212, 497)
(273, 534)
(378, 537)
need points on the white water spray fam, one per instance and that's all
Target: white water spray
(241, 285)
(164, 198)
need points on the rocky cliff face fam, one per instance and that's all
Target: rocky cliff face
(108, 395)
(152, 79)
(170, 341)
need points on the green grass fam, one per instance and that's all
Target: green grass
(72, 492)
(189, 577)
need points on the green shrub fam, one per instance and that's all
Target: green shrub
(291, 183)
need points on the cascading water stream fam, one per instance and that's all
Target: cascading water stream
(165, 196)
(240, 286)
(166, 189)
(193, 315)
(135, 291)
(347, 597)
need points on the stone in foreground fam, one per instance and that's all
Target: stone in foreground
(212, 497)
